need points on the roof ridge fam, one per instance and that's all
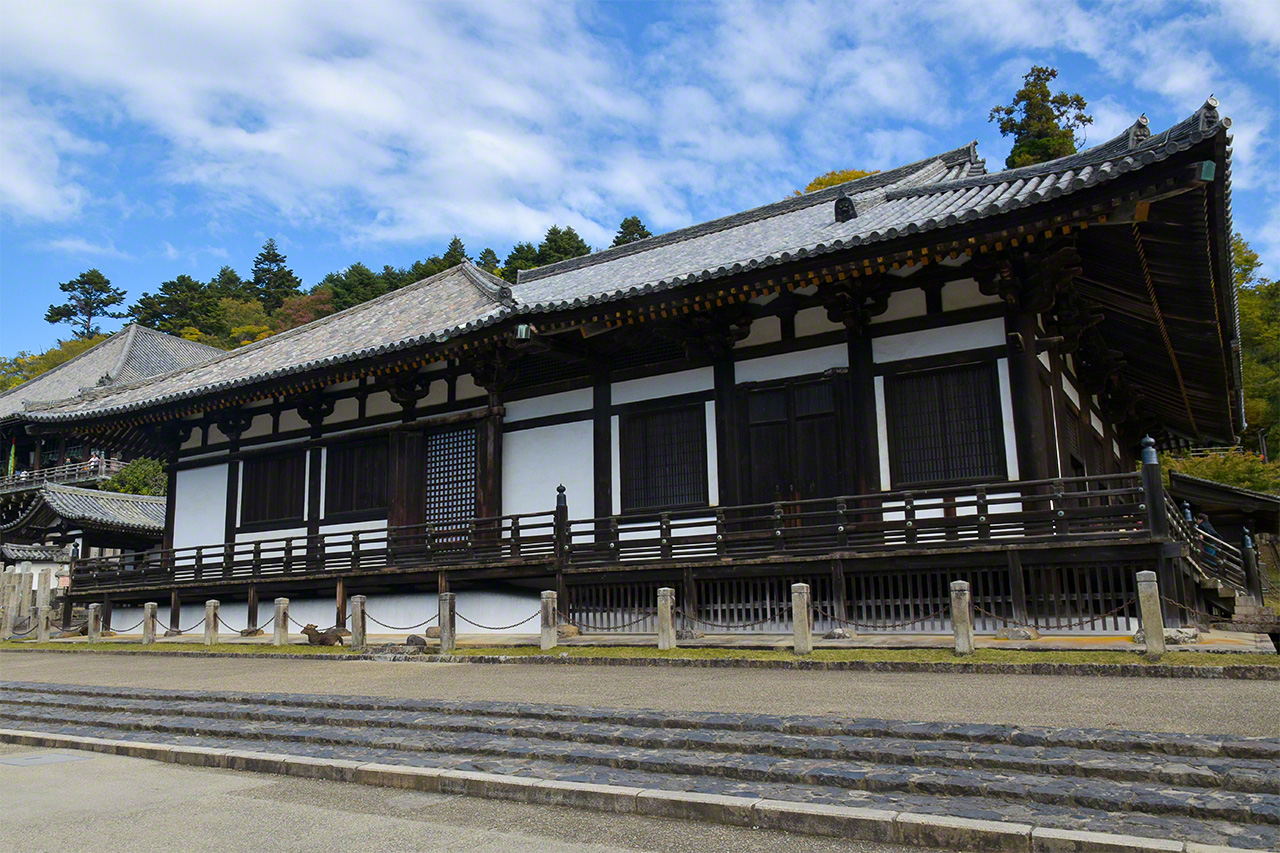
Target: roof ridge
(131, 332)
(101, 493)
(111, 338)
(790, 204)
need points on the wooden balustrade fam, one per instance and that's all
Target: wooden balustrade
(73, 472)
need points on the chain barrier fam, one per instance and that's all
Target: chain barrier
(398, 628)
(296, 622)
(1079, 623)
(1209, 617)
(181, 631)
(130, 628)
(775, 617)
(881, 626)
(503, 628)
(584, 626)
(14, 633)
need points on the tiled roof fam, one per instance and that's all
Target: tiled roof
(135, 352)
(15, 553)
(929, 195)
(96, 509)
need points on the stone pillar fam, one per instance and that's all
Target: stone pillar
(550, 616)
(26, 593)
(95, 622)
(359, 635)
(211, 622)
(802, 624)
(448, 623)
(42, 589)
(46, 624)
(962, 617)
(1152, 614)
(280, 623)
(149, 623)
(8, 604)
(666, 625)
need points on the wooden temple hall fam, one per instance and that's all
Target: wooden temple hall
(933, 373)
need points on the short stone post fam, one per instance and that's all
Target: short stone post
(149, 623)
(25, 592)
(550, 616)
(448, 623)
(280, 623)
(1152, 613)
(666, 625)
(95, 622)
(801, 623)
(359, 635)
(46, 624)
(211, 622)
(8, 606)
(42, 589)
(962, 617)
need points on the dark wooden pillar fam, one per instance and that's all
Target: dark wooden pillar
(175, 612)
(602, 442)
(408, 462)
(726, 460)
(251, 611)
(865, 430)
(106, 612)
(340, 600)
(489, 460)
(1024, 388)
(689, 598)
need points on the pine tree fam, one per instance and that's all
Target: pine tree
(181, 303)
(630, 230)
(358, 284)
(272, 279)
(455, 254)
(523, 256)
(559, 244)
(228, 284)
(1042, 124)
(91, 297)
(488, 260)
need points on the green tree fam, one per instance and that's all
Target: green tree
(560, 244)
(180, 303)
(228, 284)
(835, 177)
(90, 297)
(455, 254)
(302, 309)
(1042, 124)
(245, 321)
(1259, 300)
(523, 256)
(630, 230)
(25, 365)
(272, 278)
(488, 260)
(142, 476)
(357, 284)
(1243, 469)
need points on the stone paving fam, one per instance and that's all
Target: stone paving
(1215, 790)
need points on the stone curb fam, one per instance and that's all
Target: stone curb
(951, 833)
(1240, 672)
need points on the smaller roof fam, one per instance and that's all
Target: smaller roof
(92, 509)
(15, 553)
(1210, 496)
(135, 352)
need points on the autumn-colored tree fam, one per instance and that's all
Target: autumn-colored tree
(835, 177)
(25, 365)
(1043, 124)
(302, 309)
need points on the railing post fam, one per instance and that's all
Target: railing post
(962, 617)
(1249, 557)
(94, 630)
(550, 617)
(46, 623)
(211, 622)
(561, 528)
(842, 524)
(515, 537)
(149, 623)
(984, 522)
(801, 619)
(1153, 490)
(909, 514)
(1059, 508)
(448, 623)
(355, 550)
(664, 535)
(722, 547)
(1186, 512)
(280, 632)
(359, 637)
(778, 543)
(666, 625)
(1152, 614)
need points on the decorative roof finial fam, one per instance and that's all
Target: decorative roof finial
(1208, 113)
(1140, 132)
(844, 209)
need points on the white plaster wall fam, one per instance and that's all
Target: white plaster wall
(964, 294)
(438, 393)
(882, 435)
(765, 330)
(665, 385)
(903, 304)
(344, 410)
(549, 404)
(259, 426)
(196, 436)
(380, 404)
(290, 421)
(200, 506)
(814, 321)
(467, 388)
(615, 468)
(1070, 391)
(948, 339)
(790, 364)
(278, 533)
(1097, 423)
(1006, 412)
(713, 470)
(535, 461)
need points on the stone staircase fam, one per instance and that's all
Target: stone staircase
(1192, 788)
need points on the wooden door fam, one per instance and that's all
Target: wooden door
(793, 440)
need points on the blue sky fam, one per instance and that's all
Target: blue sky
(154, 139)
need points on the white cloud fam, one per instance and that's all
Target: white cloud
(36, 181)
(81, 246)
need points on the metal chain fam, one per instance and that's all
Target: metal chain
(130, 628)
(182, 631)
(775, 617)
(881, 625)
(503, 628)
(1208, 616)
(295, 621)
(1080, 623)
(586, 626)
(396, 627)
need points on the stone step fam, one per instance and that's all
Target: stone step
(1056, 791)
(1247, 775)
(1108, 740)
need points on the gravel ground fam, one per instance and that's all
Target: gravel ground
(1217, 706)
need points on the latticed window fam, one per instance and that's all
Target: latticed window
(356, 477)
(945, 425)
(664, 458)
(273, 488)
(450, 477)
